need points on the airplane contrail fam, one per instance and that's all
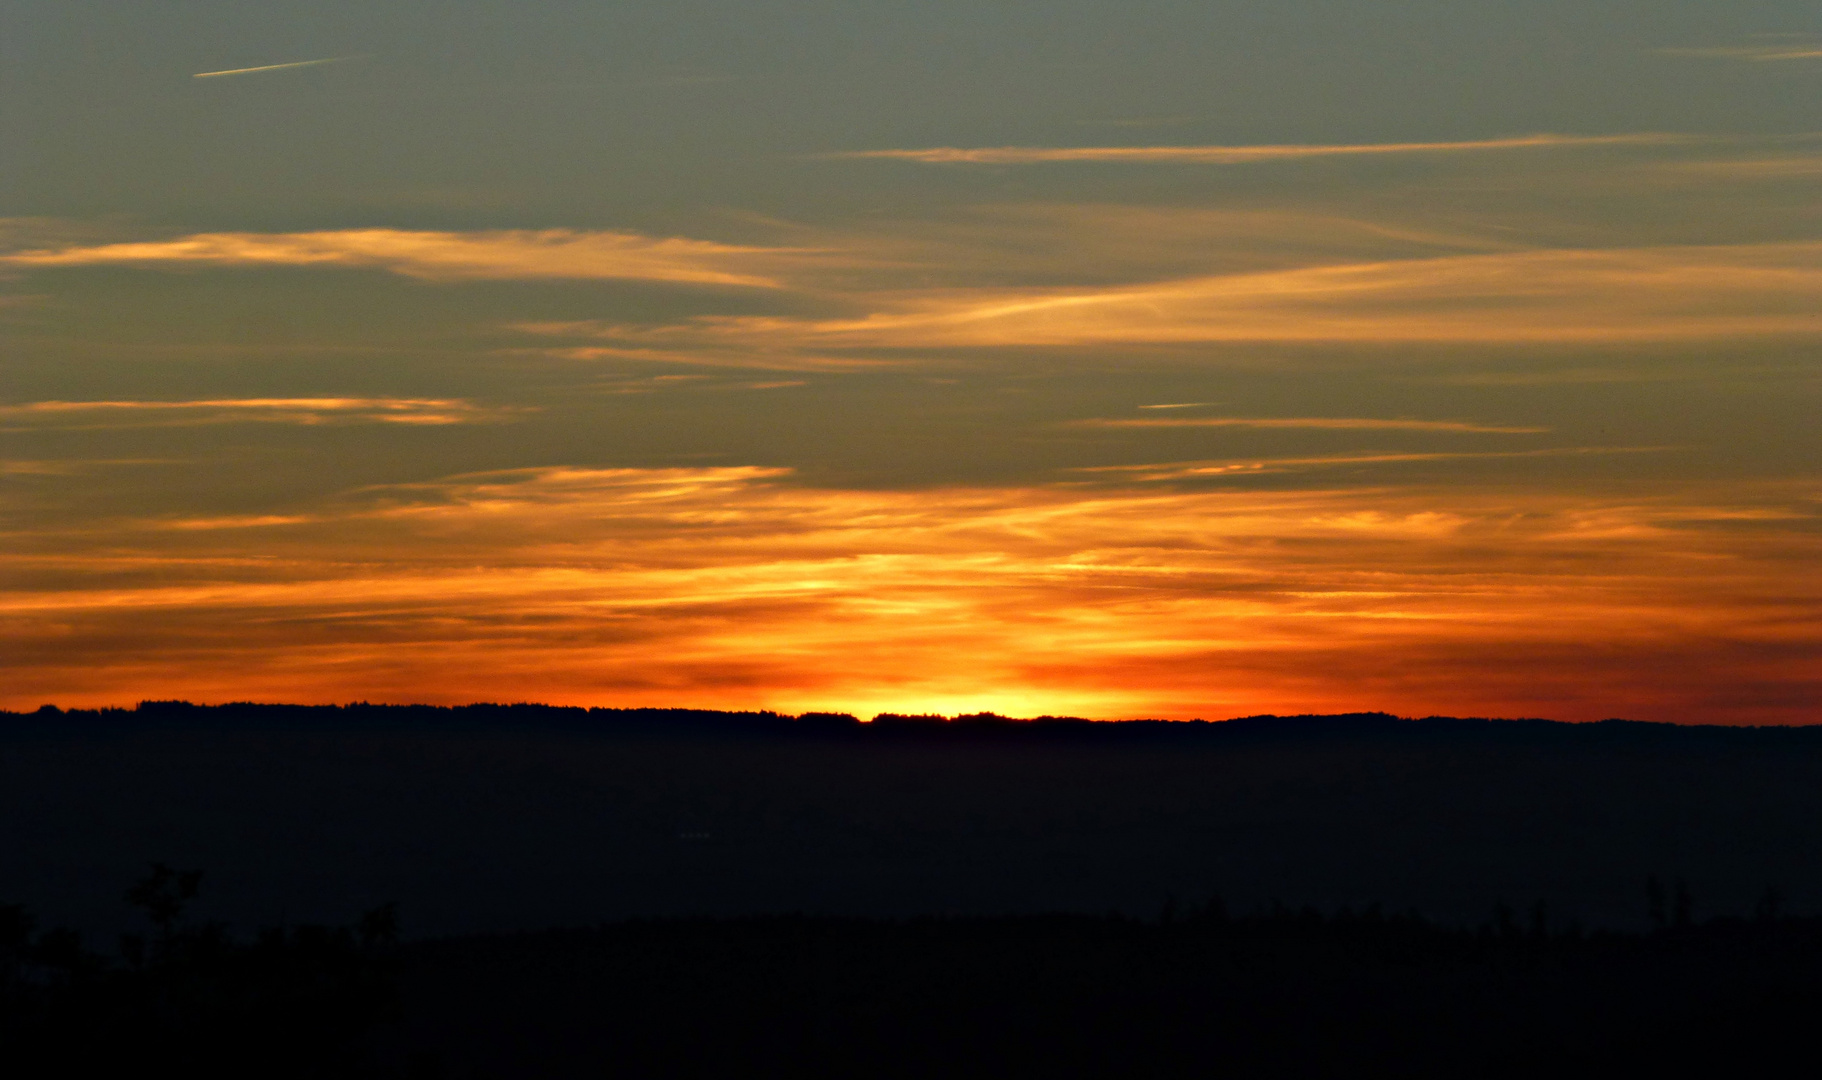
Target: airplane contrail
(270, 67)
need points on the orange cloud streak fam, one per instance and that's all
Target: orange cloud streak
(443, 256)
(1544, 296)
(1237, 155)
(734, 587)
(321, 410)
(1768, 53)
(1336, 423)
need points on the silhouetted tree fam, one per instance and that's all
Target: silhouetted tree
(294, 1002)
(1766, 910)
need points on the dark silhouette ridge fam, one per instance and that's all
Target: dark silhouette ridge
(532, 717)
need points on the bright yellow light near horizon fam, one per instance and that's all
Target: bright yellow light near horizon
(730, 588)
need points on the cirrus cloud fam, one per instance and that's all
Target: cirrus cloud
(443, 256)
(1240, 155)
(299, 410)
(1331, 423)
(1520, 297)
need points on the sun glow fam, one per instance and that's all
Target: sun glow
(735, 587)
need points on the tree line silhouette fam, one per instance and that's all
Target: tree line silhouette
(1372, 726)
(190, 999)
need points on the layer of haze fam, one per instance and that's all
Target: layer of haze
(1167, 359)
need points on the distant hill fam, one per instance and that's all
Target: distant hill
(533, 717)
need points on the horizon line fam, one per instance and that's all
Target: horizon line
(154, 706)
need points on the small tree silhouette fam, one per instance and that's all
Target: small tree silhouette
(163, 894)
(1766, 911)
(1540, 920)
(1682, 913)
(190, 998)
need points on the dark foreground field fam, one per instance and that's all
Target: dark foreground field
(750, 894)
(1194, 994)
(513, 819)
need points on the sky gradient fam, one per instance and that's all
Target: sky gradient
(1151, 359)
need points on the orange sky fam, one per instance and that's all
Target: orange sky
(1475, 391)
(734, 587)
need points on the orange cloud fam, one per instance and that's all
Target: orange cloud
(1193, 470)
(1784, 167)
(1334, 423)
(1548, 296)
(323, 410)
(1800, 48)
(1237, 155)
(443, 256)
(735, 586)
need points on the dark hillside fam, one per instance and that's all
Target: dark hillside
(495, 818)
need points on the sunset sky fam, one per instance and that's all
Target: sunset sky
(1167, 358)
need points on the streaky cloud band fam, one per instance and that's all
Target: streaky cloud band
(89, 415)
(1236, 155)
(272, 67)
(506, 254)
(1339, 423)
(1759, 54)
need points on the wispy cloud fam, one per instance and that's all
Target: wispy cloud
(1239, 155)
(1791, 47)
(444, 256)
(246, 521)
(310, 411)
(1201, 470)
(273, 67)
(1787, 167)
(653, 384)
(719, 348)
(1566, 296)
(1338, 423)
(73, 466)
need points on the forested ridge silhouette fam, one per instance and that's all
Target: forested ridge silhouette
(243, 716)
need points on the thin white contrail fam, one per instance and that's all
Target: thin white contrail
(270, 67)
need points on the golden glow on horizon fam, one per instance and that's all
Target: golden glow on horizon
(732, 587)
